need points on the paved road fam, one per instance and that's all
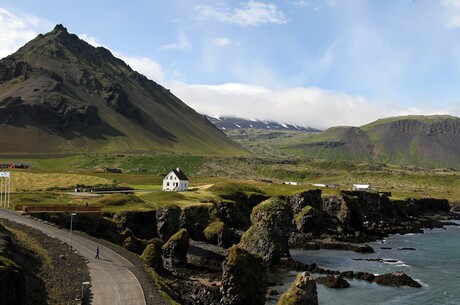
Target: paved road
(112, 283)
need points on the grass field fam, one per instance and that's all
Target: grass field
(52, 180)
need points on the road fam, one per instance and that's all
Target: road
(111, 280)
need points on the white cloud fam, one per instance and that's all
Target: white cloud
(313, 107)
(91, 40)
(15, 31)
(250, 14)
(223, 42)
(183, 43)
(303, 3)
(143, 65)
(451, 13)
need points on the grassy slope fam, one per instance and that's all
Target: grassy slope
(417, 140)
(166, 124)
(246, 173)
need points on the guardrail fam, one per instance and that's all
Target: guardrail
(57, 209)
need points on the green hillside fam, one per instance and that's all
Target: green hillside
(415, 140)
(60, 95)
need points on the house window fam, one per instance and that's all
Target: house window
(170, 177)
(167, 183)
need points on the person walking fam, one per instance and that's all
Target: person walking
(97, 252)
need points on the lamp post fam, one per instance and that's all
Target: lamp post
(71, 221)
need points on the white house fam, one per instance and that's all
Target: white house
(175, 181)
(361, 187)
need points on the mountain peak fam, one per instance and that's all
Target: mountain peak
(59, 94)
(60, 28)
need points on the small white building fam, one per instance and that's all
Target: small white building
(291, 183)
(361, 187)
(175, 181)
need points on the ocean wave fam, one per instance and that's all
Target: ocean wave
(395, 262)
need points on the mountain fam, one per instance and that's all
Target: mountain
(416, 140)
(226, 123)
(58, 94)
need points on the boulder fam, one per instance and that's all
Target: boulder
(301, 292)
(333, 281)
(152, 254)
(133, 244)
(168, 222)
(244, 278)
(269, 233)
(174, 251)
(397, 278)
(218, 233)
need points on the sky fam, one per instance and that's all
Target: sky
(307, 62)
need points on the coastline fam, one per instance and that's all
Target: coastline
(424, 264)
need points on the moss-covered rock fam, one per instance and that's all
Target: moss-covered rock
(219, 234)
(333, 281)
(244, 278)
(152, 254)
(397, 278)
(133, 244)
(174, 251)
(269, 233)
(301, 292)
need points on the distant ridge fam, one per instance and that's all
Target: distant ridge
(228, 123)
(60, 95)
(416, 140)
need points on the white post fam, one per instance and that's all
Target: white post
(70, 238)
(9, 190)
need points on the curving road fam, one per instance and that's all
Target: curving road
(111, 280)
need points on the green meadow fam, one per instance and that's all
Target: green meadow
(52, 181)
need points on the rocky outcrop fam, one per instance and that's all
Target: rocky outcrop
(333, 281)
(233, 214)
(269, 233)
(168, 221)
(244, 278)
(397, 278)
(133, 244)
(56, 110)
(174, 251)
(152, 254)
(301, 200)
(359, 216)
(195, 220)
(301, 292)
(218, 233)
(141, 224)
(117, 99)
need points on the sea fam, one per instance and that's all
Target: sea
(435, 264)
